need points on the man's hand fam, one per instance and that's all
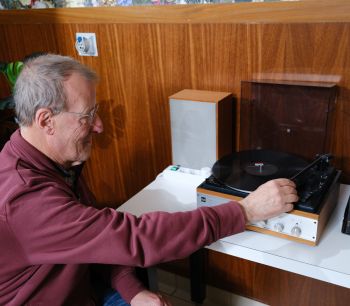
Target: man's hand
(148, 298)
(270, 200)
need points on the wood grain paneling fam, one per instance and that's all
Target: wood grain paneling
(270, 285)
(147, 54)
(264, 12)
(262, 283)
(140, 65)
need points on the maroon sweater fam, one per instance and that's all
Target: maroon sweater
(51, 233)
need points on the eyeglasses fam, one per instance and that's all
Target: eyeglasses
(89, 117)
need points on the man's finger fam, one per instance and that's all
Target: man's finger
(289, 189)
(291, 198)
(289, 207)
(284, 182)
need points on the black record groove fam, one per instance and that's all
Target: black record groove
(247, 170)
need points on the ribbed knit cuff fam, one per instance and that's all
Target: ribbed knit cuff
(128, 285)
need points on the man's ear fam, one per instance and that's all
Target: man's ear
(44, 120)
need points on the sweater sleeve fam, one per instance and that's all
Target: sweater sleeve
(53, 228)
(125, 281)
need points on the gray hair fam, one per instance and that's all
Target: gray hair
(40, 85)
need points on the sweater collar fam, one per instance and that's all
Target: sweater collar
(29, 154)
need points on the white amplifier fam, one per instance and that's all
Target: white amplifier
(297, 225)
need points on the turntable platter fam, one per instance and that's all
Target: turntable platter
(247, 170)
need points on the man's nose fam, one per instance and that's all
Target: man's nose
(97, 125)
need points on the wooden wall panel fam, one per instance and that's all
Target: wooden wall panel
(262, 283)
(142, 61)
(270, 285)
(263, 12)
(140, 65)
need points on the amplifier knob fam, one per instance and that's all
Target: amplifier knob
(279, 227)
(296, 231)
(262, 224)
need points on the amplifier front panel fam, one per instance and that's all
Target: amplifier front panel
(288, 225)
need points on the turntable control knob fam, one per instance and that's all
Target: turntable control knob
(279, 227)
(296, 231)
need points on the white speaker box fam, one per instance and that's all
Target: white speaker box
(201, 127)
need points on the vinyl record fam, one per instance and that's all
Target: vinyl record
(247, 170)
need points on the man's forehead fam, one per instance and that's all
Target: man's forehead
(77, 79)
(79, 91)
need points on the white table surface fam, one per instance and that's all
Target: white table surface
(329, 261)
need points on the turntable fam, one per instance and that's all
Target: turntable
(236, 175)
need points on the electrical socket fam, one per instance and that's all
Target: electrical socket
(85, 43)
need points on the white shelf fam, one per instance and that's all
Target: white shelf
(328, 261)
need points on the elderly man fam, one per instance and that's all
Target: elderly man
(54, 242)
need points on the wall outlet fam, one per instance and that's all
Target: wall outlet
(85, 43)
